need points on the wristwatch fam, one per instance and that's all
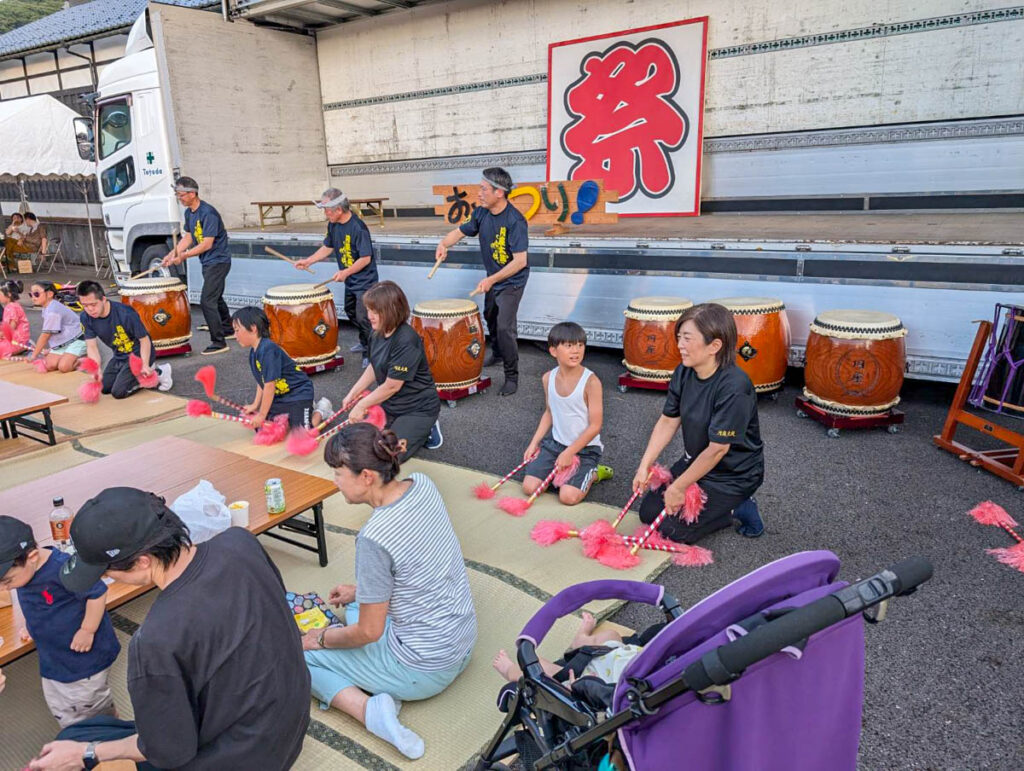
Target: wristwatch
(320, 638)
(89, 759)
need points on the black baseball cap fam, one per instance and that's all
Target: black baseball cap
(15, 539)
(113, 527)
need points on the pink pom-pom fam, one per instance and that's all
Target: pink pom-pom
(376, 416)
(40, 365)
(989, 513)
(1013, 556)
(134, 364)
(692, 556)
(695, 500)
(596, 536)
(517, 507)
(302, 441)
(484, 492)
(197, 409)
(89, 391)
(89, 366)
(272, 431)
(207, 376)
(549, 531)
(655, 538)
(617, 555)
(660, 476)
(152, 380)
(565, 474)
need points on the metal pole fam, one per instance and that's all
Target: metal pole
(88, 219)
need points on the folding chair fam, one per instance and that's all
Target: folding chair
(3, 261)
(54, 254)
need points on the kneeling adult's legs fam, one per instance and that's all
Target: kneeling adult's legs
(118, 380)
(414, 429)
(102, 728)
(716, 515)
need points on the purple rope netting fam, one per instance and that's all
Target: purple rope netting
(993, 357)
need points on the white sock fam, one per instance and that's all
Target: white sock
(382, 721)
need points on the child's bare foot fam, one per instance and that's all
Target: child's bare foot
(583, 634)
(506, 667)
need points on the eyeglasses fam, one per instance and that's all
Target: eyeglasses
(35, 294)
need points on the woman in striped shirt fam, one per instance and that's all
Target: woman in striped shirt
(410, 622)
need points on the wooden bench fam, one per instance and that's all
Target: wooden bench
(168, 467)
(265, 208)
(17, 402)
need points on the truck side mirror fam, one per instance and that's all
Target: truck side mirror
(84, 138)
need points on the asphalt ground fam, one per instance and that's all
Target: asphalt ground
(945, 672)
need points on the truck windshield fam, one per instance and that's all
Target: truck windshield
(115, 127)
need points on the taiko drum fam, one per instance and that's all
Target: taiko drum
(453, 339)
(855, 362)
(762, 339)
(163, 307)
(648, 336)
(303, 321)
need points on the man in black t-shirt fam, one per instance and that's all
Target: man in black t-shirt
(348, 239)
(504, 240)
(216, 673)
(206, 238)
(120, 328)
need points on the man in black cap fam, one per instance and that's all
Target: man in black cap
(503, 243)
(206, 238)
(215, 673)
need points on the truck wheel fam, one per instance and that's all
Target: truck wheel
(152, 255)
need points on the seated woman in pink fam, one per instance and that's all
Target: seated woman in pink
(14, 315)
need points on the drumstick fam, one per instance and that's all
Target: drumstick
(433, 270)
(289, 260)
(485, 491)
(145, 272)
(322, 284)
(625, 509)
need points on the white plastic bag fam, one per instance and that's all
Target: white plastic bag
(203, 509)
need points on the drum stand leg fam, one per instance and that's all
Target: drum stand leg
(891, 419)
(626, 381)
(1007, 462)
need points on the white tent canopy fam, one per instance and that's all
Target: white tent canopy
(37, 141)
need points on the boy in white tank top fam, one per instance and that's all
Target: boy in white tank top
(573, 414)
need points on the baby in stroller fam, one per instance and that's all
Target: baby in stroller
(602, 654)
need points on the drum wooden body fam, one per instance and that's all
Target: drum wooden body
(855, 362)
(1004, 391)
(453, 339)
(648, 336)
(303, 321)
(163, 307)
(762, 339)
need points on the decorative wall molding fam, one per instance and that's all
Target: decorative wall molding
(526, 158)
(1013, 13)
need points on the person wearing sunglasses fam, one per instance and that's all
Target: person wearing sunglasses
(61, 344)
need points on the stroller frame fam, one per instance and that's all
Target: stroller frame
(567, 731)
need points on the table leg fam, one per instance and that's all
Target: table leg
(48, 425)
(260, 208)
(321, 536)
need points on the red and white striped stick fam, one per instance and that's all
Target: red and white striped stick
(231, 418)
(543, 486)
(625, 509)
(513, 472)
(332, 431)
(639, 544)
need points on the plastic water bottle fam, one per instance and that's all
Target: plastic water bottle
(60, 525)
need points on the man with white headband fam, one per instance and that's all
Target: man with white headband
(348, 239)
(503, 243)
(205, 237)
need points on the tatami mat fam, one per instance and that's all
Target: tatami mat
(38, 461)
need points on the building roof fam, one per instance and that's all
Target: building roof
(80, 23)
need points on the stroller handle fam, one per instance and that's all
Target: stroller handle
(575, 597)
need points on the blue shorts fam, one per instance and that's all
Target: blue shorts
(374, 669)
(585, 475)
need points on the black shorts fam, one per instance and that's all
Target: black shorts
(300, 413)
(585, 475)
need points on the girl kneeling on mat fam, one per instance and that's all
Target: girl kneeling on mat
(14, 317)
(281, 387)
(714, 403)
(62, 330)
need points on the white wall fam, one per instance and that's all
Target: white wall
(247, 108)
(41, 69)
(947, 74)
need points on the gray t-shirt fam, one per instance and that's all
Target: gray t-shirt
(408, 555)
(62, 323)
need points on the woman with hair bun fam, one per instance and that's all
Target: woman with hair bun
(14, 315)
(410, 622)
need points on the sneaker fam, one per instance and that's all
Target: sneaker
(324, 407)
(359, 348)
(229, 336)
(203, 328)
(750, 524)
(166, 381)
(510, 386)
(436, 439)
(211, 349)
(604, 472)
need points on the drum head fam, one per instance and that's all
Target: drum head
(857, 324)
(751, 305)
(453, 307)
(152, 284)
(657, 307)
(291, 294)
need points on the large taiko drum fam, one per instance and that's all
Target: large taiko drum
(453, 339)
(163, 307)
(303, 321)
(648, 337)
(762, 339)
(1004, 389)
(855, 362)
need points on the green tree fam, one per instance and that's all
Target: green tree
(14, 13)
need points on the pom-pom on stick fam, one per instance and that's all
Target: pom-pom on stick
(272, 431)
(1013, 556)
(207, 377)
(89, 391)
(302, 441)
(40, 365)
(517, 507)
(659, 477)
(990, 513)
(617, 555)
(694, 503)
(484, 492)
(562, 476)
(549, 531)
(135, 365)
(89, 366)
(198, 409)
(376, 416)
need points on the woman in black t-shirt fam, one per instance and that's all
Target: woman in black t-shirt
(398, 367)
(714, 403)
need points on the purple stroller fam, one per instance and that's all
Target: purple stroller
(766, 674)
